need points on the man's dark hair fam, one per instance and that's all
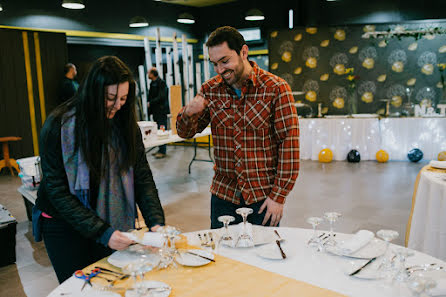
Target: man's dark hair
(93, 130)
(229, 34)
(154, 72)
(67, 67)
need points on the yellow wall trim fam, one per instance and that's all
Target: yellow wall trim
(100, 34)
(29, 83)
(40, 77)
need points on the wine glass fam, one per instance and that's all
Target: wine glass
(331, 217)
(314, 221)
(386, 264)
(226, 238)
(403, 254)
(167, 253)
(419, 284)
(244, 239)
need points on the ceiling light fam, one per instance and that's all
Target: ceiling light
(73, 4)
(186, 18)
(138, 21)
(254, 15)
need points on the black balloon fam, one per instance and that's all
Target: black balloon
(415, 155)
(353, 156)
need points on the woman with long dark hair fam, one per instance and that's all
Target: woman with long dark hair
(95, 171)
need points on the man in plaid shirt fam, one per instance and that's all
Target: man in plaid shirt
(255, 132)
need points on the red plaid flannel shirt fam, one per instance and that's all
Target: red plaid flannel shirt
(256, 137)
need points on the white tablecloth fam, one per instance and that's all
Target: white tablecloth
(368, 135)
(303, 263)
(428, 224)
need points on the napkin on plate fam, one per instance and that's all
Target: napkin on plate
(438, 164)
(356, 242)
(150, 238)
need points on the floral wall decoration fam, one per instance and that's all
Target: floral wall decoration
(366, 64)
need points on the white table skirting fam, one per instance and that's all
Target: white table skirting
(397, 136)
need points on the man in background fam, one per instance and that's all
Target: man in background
(68, 86)
(158, 105)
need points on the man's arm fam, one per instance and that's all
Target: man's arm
(194, 117)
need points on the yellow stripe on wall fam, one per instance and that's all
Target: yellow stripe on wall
(29, 83)
(40, 77)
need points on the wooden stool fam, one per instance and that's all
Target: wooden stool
(7, 162)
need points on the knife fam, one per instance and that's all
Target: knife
(191, 253)
(362, 267)
(280, 248)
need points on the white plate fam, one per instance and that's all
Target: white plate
(374, 248)
(438, 164)
(271, 251)
(151, 284)
(187, 259)
(368, 272)
(123, 258)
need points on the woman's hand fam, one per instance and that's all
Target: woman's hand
(119, 241)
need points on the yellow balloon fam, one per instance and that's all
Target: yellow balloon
(325, 155)
(382, 156)
(442, 156)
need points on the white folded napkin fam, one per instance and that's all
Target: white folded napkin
(356, 242)
(440, 288)
(438, 164)
(150, 238)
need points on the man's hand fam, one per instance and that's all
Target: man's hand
(274, 210)
(196, 106)
(119, 241)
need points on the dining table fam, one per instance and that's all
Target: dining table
(250, 271)
(426, 228)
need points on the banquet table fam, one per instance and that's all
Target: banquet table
(303, 265)
(426, 230)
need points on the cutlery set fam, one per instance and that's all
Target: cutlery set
(207, 239)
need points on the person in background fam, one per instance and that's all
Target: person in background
(95, 172)
(68, 86)
(254, 128)
(158, 104)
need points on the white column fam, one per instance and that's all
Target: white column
(143, 90)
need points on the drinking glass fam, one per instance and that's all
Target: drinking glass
(331, 217)
(167, 253)
(226, 238)
(314, 221)
(419, 284)
(402, 274)
(386, 264)
(244, 239)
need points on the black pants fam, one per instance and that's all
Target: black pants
(68, 250)
(220, 207)
(161, 119)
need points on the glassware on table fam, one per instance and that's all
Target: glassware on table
(402, 254)
(137, 270)
(387, 236)
(244, 239)
(419, 284)
(226, 238)
(314, 221)
(168, 251)
(331, 217)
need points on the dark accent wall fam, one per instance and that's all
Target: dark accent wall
(14, 104)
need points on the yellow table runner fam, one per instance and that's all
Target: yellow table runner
(414, 195)
(225, 277)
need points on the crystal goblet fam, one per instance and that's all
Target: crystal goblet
(226, 238)
(314, 221)
(244, 239)
(331, 217)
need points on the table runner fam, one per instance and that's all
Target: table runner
(225, 277)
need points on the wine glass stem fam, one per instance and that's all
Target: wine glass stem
(331, 228)
(314, 231)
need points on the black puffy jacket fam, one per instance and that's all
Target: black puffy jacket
(54, 197)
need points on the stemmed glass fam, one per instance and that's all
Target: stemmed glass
(419, 284)
(226, 238)
(244, 239)
(403, 254)
(139, 268)
(331, 217)
(314, 221)
(386, 264)
(168, 253)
